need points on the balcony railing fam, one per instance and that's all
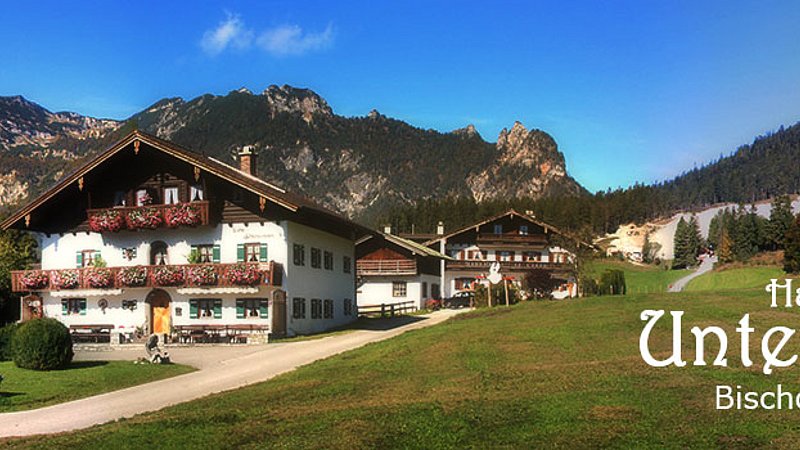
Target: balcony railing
(148, 217)
(504, 265)
(511, 238)
(186, 275)
(386, 267)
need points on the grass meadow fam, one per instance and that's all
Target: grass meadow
(538, 374)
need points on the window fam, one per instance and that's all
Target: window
(523, 230)
(316, 258)
(328, 260)
(505, 256)
(252, 308)
(205, 253)
(464, 283)
(348, 307)
(196, 193)
(347, 264)
(251, 252)
(424, 289)
(73, 307)
(171, 195)
(143, 197)
(86, 258)
(532, 256)
(299, 254)
(316, 308)
(119, 198)
(328, 311)
(398, 288)
(435, 292)
(298, 308)
(498, 229)
(205, 308)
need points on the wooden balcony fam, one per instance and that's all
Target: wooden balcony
(367, 267)
(512, 239)
(186, 275)
(148, 217)
(483, 265)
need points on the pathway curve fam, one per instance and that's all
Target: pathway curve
(248, 365)
(705, 266)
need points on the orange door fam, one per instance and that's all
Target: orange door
(161, 319)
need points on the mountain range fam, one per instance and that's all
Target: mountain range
(358, 166)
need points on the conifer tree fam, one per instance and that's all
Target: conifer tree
(791, 254)
(724, 249)
(780, 219)
(683, 244)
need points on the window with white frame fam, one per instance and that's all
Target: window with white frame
(73, 307)
(252, 308)
(205, 308)
(299, 255)
(328, 309)
(316, 258)
(348, 307)
(347, 264)
(204, 252)
(399, 289)
(328, 260)
(196, 193)
(171, 195)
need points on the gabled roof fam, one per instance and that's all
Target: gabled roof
(512, 212)
(292, 202)
(407, 244)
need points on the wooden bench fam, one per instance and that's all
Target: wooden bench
(207, 333)
(96, 333)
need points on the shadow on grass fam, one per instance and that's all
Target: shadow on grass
(85, 364)
(10, 394)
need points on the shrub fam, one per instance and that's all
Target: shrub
(612, 282)
(42, 344)
(498, 295)
(6, 333)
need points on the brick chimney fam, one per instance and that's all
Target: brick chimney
(247, 160)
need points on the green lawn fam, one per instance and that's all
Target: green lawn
(736, 278)
(540, 374)
(28, 389)
(639, 279)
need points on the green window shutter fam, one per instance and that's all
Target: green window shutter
(96, 255)
(218, 308)
(64, 307)
(83, 306)
(240, 309)
(78, 259)
(215, 254)
(263, 309)
(240, 252)
(193, 309)
(263, 253)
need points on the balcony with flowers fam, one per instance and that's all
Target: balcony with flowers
(148, 217)
(243, 275)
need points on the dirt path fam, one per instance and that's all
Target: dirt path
(218, 372)
(705, 266)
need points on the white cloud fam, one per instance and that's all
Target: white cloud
(231, 32)
(292, 40)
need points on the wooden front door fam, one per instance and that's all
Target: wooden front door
(279, 313)
(159, 312)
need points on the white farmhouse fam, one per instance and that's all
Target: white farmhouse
(149, 237)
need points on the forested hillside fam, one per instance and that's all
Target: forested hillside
(766, 168)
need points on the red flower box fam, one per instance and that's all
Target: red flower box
(106, 220)
(35, 279)
(204, 275)
(133, 276)
(65, 279)
(99, 278)
(243, 275)
(185, 214)
(145, 217)
(168, 276)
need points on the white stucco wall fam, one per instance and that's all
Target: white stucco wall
(310, 283)
(378, 290)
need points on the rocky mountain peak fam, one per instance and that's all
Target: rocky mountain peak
(468, 131)
(296, 100)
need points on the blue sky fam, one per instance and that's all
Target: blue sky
(631, 91)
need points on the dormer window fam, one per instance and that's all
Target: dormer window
(119, 198)
(171, 195)
(498, 229)
(523, 230)
(196, 193)
(143, 197)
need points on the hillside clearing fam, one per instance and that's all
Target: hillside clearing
(735, 278)
(639, 278)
